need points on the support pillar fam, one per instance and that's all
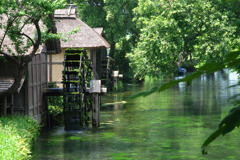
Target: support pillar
(96, 62)
(96, 110)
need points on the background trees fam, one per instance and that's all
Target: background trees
(176, 31)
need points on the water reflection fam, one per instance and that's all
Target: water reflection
(167, 125)
(207, 93)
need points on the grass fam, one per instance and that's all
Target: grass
(17, 134)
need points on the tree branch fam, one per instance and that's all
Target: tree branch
(29, 18)
(23, 34)
(7, 56)
(9, 24)
(38, 41)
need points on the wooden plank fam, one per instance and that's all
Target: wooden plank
(31, 112)
(5, 106)
(12, 102)
(26, 94)
(50, 68)
(94, 64)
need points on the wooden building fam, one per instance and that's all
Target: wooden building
(82, 36)
(29, 99)
(47, 66)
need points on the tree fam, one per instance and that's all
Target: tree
(25, 25)
(176, 31)
(115, 16)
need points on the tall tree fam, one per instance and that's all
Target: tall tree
(24, 27)
(175, 31)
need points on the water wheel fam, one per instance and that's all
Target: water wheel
(76, 99)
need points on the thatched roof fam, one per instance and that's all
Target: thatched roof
(86, 37)
(8, 44)
(29, 30)
(99, 30)
(65, 13)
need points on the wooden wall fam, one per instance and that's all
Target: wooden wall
(30, 100)
(36, 105)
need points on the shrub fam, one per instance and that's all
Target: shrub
(17, 134)
(119, 87)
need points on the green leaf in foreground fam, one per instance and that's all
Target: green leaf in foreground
(230, 122)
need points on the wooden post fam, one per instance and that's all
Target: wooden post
(115, 75)
(5, 106)
(96, 97)
(11, 105)
(50, 67)
(115, 83)
(96, 110)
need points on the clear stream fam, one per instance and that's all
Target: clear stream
(163, 126)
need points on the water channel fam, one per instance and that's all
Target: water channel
(163, 126)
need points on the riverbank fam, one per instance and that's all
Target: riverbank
(17, 134)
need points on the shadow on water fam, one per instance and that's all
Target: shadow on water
(169, 125)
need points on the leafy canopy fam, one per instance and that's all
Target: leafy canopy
(176, 31)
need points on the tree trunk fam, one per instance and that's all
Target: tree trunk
(19, 73)
(112, 49)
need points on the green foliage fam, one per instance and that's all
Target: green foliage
(172, 32)
(55, 106)
(16, 137)
(115, 16)
(124, 46)
(119, 87)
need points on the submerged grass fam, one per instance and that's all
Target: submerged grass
(17, 134)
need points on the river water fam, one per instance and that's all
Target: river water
(163, 126)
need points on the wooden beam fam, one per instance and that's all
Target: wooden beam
(50, 68)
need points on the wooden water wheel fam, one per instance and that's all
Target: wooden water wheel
(76, 98)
